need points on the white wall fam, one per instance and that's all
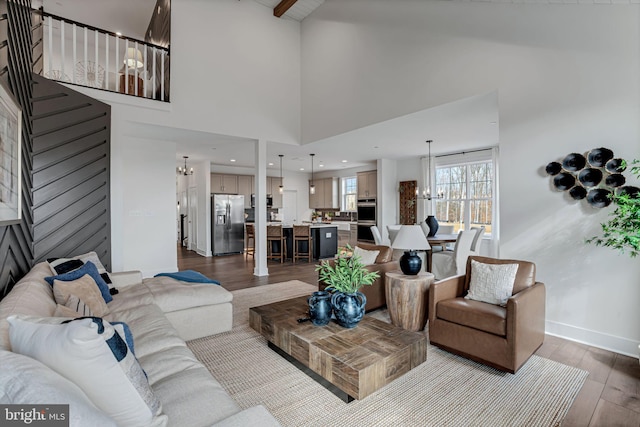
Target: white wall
(567, 79)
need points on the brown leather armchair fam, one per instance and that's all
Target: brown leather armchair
(375, 293)
(501, 337)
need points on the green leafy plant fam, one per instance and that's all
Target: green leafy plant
(622, 230)
(346, 274)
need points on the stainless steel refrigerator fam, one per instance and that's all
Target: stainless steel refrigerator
(227, 230)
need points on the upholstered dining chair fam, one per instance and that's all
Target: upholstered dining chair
(393, 231)
(503, 333)
(477, 240)
(377, 237)
(451, 263)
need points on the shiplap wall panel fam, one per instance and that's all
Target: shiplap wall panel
(71, 143)
(16, 250)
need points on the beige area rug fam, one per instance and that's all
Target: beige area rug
(446, 390)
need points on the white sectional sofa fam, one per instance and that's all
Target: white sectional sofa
(162, 313)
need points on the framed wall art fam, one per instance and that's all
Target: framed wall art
(10, 158)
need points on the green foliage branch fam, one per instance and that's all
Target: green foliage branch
(346, 274)
(622, 230)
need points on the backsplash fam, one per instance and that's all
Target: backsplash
(339, 215)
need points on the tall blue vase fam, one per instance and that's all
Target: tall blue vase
(432, 222)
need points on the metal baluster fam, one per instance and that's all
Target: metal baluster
(162, 76)
(85, 55)
(154, 71)
(95, 64)
(75, 56)
(126, 66)
(144, 86)
(106, 60)
(117, 61)
(62, 55)
(50, 59)
(135, 70)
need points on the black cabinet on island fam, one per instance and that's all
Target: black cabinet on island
(324, 243)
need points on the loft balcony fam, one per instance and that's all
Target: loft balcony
(84, 55)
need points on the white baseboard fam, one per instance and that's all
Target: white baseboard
(593, 338)
(203, 253)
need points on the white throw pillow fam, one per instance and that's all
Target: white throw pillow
(90, 353)
(24, 380)
(492, 283)
(366, 257)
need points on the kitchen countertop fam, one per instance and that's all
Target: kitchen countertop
(313, 225)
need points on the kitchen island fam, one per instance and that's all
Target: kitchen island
(325, 240)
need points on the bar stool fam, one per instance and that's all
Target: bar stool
(249, 241)
(301, 233)
(275, 234)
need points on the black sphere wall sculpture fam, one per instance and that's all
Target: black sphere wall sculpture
(594, 176)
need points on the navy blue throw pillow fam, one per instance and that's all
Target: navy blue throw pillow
(90, 269)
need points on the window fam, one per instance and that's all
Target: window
(468, 195)
(349, 193)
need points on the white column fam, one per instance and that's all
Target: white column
(260, 179)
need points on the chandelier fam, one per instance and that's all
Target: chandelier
(426, 190)
(185, 171)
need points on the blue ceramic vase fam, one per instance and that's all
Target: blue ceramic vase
(432, 222)
(348, 308)
(320, 308)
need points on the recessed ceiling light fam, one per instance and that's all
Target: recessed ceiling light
(321, 165)
(270, 164)
(232, 160)
(118, 33)
(493, 123)
(301, 169)
(344, 161)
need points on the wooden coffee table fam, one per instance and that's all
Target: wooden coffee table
(352, 363)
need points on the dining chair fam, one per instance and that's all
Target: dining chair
(249, 240)
(393, 231)
(275, 234)
(477, 240)
(301, 233)
(444, 229)
(377, 237)
(453, 263)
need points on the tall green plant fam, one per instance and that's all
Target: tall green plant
(622, 231)
(346, 274)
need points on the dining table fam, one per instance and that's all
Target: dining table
(439, 240)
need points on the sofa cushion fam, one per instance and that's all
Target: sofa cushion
(92, 354)
(90, 269)
(24, 380)
(30, 296)
(81, 295)
(474, 314)
(366, 257)
(491, 283)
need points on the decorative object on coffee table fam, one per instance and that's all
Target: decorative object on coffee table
(345, 276)
(320, 308)
(411, 238)
(407, 297)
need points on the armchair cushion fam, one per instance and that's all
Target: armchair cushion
(491, 283)
(474, 314)
(385, 255)
(366, 257)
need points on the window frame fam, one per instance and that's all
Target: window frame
(344, 194)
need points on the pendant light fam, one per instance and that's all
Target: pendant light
(426, 191)
(281, 187)
(312, 188)
(185, 171)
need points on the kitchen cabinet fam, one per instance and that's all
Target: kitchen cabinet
(245, 188)
(344, 238)
(367, 184)
(224, 183)
(326, 195)
(273, 188)
(353, 239)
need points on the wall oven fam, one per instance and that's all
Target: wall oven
(366, 218)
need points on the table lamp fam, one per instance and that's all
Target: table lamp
(411, 238)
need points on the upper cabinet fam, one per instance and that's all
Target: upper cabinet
(245, 188)
(326, 195)
(367, 184)
(223, 183)
(273, 188)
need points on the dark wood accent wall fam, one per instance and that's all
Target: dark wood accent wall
(65, 157)
(16, 251)
(159, 33)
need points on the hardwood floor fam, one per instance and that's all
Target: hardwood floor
(610, 396)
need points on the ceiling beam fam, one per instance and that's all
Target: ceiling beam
(282, 7)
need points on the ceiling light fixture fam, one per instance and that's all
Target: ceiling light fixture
(281, 187)
(312, 188)
(426, 190)
(185, 171)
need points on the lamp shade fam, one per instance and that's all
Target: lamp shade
(412, 239)
(133, 58)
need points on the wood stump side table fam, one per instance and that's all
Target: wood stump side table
(407, 298)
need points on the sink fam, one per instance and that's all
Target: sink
(343, 226)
